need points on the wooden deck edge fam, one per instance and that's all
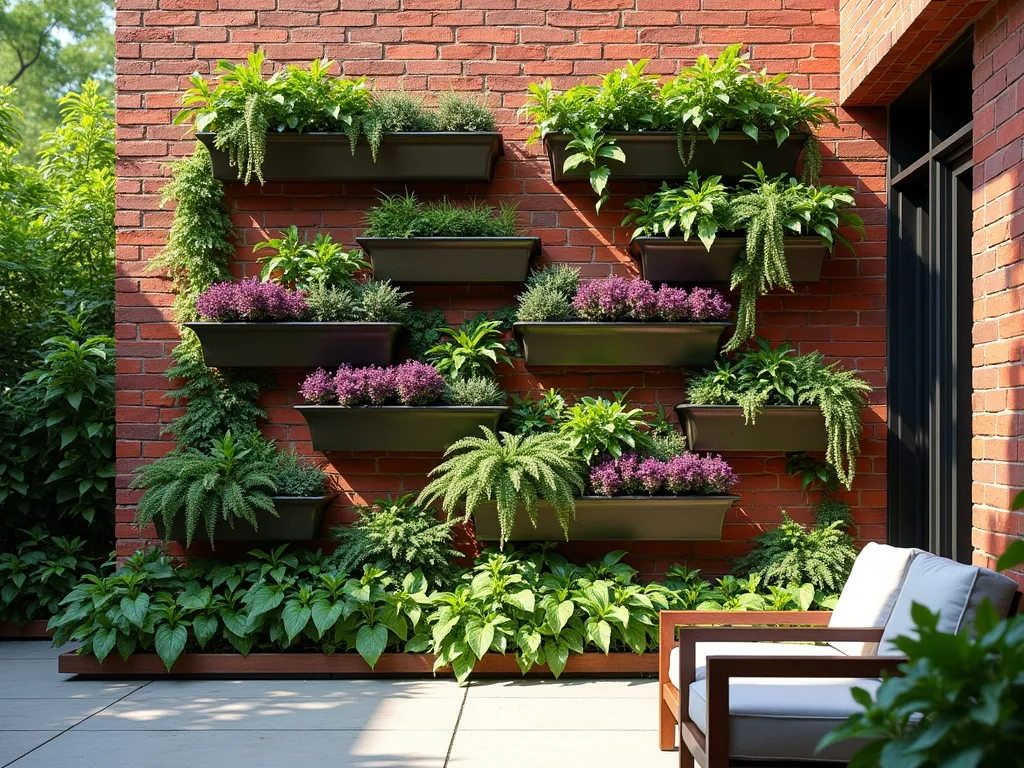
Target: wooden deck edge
(344, 665)
(30, 630)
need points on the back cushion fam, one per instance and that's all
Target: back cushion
(952, 590)
(870, 592)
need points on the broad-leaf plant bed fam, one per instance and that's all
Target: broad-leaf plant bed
(450, 260)
(618, 518)
(297, 518)
(295, 344)
(688, 261)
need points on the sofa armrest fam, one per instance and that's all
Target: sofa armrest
(721, 669)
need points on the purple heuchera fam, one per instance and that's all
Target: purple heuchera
(673, 304)
(686, 475)
(350, 385)
(418, 383)
(318, 388)
(250, 301)
(708, 304)
(643, 301)
(381, 385)
(603, 299)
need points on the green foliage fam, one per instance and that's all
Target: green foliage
(701, 206)
(470, 355)
(765, 376)
(821, 556)
(532, 415)
(230, 481)
(406, 216)
(596, 426)
(38, 572)
(295, 475)
(423, 330)
(244, 106)
(304, 263)
(397, 536)
(477, 390)
(511, 470)
(217, 401)
(812, 472)
(548, 295)
(382, 302)
(457, 112)
(594, 149)
(959, 701)
(769, 209)
(327, 304)
(200, 243)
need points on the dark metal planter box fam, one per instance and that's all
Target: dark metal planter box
(295, 345)
(430, 428)
(618, 518)
(300, 518)
(581, 344)
(780, 428)
(449, 260)
(654, 156)
(411, 156)
(675, 260)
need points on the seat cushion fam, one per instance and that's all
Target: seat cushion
(871, 591)
(951, 589)
(703, 650)
(784, 719)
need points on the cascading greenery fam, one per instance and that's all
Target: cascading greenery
(766, 376)
(509, 470)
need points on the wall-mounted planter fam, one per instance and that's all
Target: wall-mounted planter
(403, 428)
(295, 345)
(780, 428)
(675, 260)
(450, 259)
(618, 518)
(581, 344)
(315, 157)
(654, 156)
(299, 518)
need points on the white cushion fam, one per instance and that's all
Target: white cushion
(871, 591)
(953, 590)
(703, 650)
(784, 719)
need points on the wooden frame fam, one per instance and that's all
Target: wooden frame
(30, 630)
(710, 626)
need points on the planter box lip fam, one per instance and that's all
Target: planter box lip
(739, 408)
(422, 135)
(454, 242)
(637, 244)
(404, 408)
(304, 324)
(564, 138)
(630, 324)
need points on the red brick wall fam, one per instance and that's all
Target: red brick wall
(998, 277)
(497, 47)
(886, 44)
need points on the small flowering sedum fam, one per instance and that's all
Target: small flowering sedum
(688, 474)
(250, 301)
(619, 299)
(411, 383)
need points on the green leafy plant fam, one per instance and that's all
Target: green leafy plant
(397, 536)
(39, 571)
(697, 206)
(767, 209)
(511, 470)
(327, 304)
(593, 148)
(766, 376)
(470, 354)
(477, 390)
(295, 475)
(231, 481)
(402, 216)
(548, 295)
(382, 302)
(532, 415)
(303, 263)
(958, 701)
(423, 330)
(596, 426)
(458, 112)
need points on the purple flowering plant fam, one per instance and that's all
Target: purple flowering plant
(688, 474)
(411, 383)
(618, 299)
(250, 301)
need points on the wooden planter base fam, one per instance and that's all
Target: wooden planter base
(30, 630)
(343, 665)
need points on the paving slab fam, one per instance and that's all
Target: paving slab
(569, 747)
(299, 689)
(224, 749)
(14, 744)
(46, 714)
(33, 649)
(553, 713)
(39, 679)
(565, 689)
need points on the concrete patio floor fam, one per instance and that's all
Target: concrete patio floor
(48, 720)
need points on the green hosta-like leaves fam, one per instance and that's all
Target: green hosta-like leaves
(170, 642)
(135, 610)
(371, 640)
(295, 616)
(103, 642)
(325, 614)
(204, 628)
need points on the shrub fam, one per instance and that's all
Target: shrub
(456, 112)
(304, 263)
(38, 572)
(548, 295)
(250, 301)
(477, 390)
(471, 353)
(530, 415)
(700, 207)
(595, 426)
(382, 302)
(297, 476)
(327, 304)
(405, 216)
(397, 536)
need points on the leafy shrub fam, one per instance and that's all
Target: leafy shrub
(382, 302)
(766, 376)
(231, 481)
(294, 475)
(302, 263)
(250, 301)
(548, 295)
(39, 571)
(423, 330)
(397, 536)
(327, 304)
(529, 415)
(477, 390)
(410, 383)
(821, 556)
(596, 426)
(509, 470)
(456, 112)
(697, 206)
(470, 354)
(405, 216)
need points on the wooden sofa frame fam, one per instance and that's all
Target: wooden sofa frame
(712, 750)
